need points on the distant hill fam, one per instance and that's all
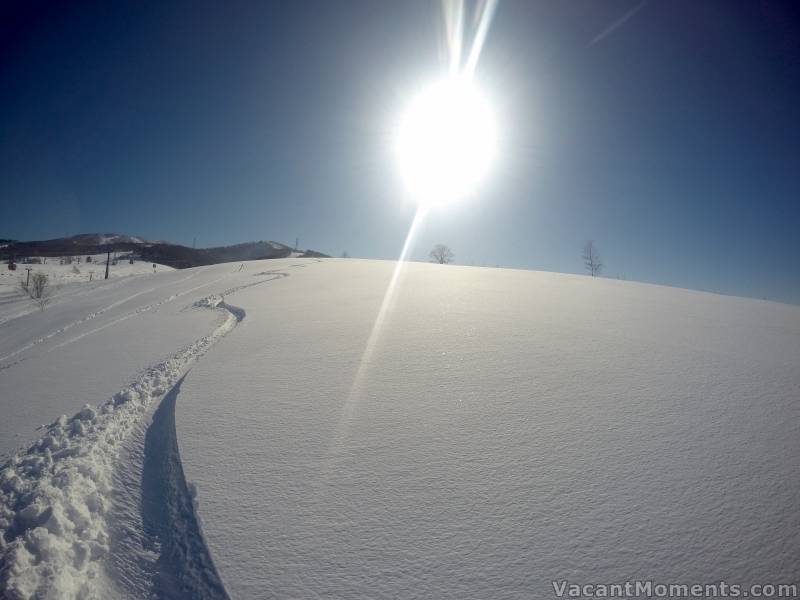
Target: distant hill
(99, 239)
(165, 253)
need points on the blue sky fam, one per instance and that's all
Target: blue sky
(672, 140)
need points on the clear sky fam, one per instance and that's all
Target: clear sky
(666, 131)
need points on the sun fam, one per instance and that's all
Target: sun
(446, 141)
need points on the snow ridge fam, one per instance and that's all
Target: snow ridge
(57, 497)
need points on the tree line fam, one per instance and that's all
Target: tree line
(443, 255)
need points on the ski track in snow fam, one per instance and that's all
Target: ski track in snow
(69, 326)
(75, 291)
(98, 507)
(125, 317)
(78, 293)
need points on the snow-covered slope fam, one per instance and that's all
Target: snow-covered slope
(66, 278)
(99, 239)
(270, 431)
(504, 429)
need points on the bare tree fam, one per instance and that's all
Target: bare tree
(591, 259)
(38, 289)
(442, 254)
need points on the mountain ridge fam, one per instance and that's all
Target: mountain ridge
(173, 255)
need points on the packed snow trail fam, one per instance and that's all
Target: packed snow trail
(165, 555)
(56, 496)
(82, 349)
(70, 508)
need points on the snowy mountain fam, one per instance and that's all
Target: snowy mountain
(78, 244)
(104, 239)
(160, 252)
(290, 429)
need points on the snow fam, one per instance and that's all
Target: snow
(65, 511)
(55, 496)
(76, 272)
(509, 428)
(249, 433)
(65, 281)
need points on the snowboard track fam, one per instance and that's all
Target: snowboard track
(99, 506)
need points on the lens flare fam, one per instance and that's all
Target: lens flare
(445, 144)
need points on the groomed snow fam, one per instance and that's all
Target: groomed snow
(249, 433)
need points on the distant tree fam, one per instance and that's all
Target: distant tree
(38, 289)
(441, 254)
(591, 259)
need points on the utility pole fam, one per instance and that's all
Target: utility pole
(28, 281)
(108, 260)
(194, 242)
(296, 243)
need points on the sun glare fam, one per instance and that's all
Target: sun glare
(446, 141)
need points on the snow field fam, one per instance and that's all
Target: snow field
(65, 274)
(496, 430)
(65, 282)
(57, 495)
(505, 429)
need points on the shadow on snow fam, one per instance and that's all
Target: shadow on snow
(184, 568)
